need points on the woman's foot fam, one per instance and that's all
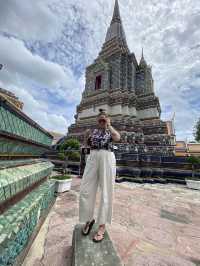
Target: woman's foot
(99, 235)
(88, 225)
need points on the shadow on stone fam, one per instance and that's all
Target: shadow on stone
(85, 252)
(174, 217)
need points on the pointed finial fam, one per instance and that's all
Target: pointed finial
(116, 13)
(116, 30)
(142, 61)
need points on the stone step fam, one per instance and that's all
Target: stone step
(88, 253)
(16, 179)
(19, 222)
(14, 163)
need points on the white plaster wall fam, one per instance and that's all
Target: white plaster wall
(86, 113)
(112, 110)
(148, 113)
(116, 110)
(125, 110)
(133, 111)
(93, 111)
(119, 110)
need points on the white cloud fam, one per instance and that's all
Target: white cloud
(20, 64)
(29, 20)
(39, 111)
(168, 36)
(168, 30)
(18, 60)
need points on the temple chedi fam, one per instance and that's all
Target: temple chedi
(123, 87)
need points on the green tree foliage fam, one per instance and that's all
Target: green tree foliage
(193, 160)
(61, 156)
(74, 156)
(69, 150)
(70, 144)
(197, 131)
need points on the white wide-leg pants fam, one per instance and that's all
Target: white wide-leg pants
(100, 170)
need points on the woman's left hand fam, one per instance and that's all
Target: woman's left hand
(114, 133)
(108, 121)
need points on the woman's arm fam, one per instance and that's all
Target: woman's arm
(86, 136)
(115, 134)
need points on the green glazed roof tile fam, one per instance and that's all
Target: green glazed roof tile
(17, 123)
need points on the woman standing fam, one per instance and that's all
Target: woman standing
(100, 170)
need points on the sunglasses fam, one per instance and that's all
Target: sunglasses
(102, 121)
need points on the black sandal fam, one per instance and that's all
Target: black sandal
(99, 234)
(89, 227)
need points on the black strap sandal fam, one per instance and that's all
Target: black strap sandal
(99, 234)
(89, 224)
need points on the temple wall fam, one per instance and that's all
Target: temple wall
(148, 113)
(126, 93)
(112, 110)
(115, 63)
(116, 110)
(125, 110)
(131, 76)
(133, 111)
(86, 113)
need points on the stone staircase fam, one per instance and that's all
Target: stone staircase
(22, 206)
(16, 179)
(26, 193)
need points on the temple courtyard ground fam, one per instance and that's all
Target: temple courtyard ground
(153, 225)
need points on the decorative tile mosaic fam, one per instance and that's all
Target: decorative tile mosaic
(18, 223)
(14, 180)
(14, 123)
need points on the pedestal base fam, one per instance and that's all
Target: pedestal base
(88, 253)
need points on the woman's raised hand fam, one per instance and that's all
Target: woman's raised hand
(108, 121)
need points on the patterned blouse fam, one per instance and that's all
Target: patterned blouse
(100, 139)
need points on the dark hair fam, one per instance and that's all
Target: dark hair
(102, 112)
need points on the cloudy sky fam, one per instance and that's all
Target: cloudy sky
(45, 46)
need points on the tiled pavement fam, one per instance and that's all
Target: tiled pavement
(153, 225)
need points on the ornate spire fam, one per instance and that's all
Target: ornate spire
(116, 13)
(142, 61)
(116, 30)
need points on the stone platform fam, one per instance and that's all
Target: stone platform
(153, 225)
(88, 253)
